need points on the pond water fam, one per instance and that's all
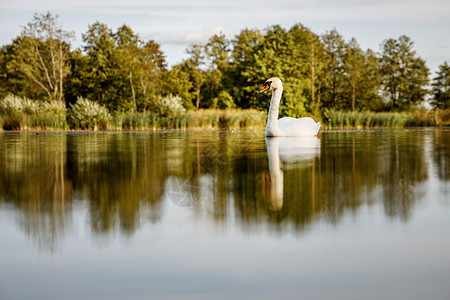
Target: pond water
(220, 215)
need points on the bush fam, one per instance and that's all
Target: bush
(86, 114)
(12, 104)
(22, 113)
(170, 106)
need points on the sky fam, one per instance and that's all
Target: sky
(176, 24)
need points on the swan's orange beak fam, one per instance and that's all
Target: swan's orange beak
(265, 88)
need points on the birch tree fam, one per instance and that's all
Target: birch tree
(42, 54)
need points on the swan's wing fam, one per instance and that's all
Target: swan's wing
(298, 127)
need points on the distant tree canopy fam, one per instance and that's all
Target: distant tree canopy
(404, 75)
(441, 87)
(121, 71)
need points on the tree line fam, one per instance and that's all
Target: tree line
(119, 70)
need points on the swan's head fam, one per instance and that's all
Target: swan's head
(272, 84)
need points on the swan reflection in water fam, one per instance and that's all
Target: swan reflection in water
(286, 153)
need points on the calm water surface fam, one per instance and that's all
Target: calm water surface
(220, 215)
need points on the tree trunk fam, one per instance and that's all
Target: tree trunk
(61, 71)
(353, 96)
(312, 75)
(144, 93)
(133, 93)
(198, 99)
(198, 96)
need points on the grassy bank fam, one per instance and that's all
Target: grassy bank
(233, 119)
(419, 118)
(229, 119)
(18, 113)
(202, 119)
(23, 114)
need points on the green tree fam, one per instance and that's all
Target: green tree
(178, 82)
(127, 61)
(193, 67)
(264, 62)
(217, 52)
(123, 72)
(441, 87)
(245, 78)
(11, 80)
(42, 53)
(360, 73)
(404, 75)
(353, 68)
(317, 62)
(212, 86)
(217, 60)
(151, 70)
(294, 56)
(99, 75)
(332, 89)
(78, 83)
(298, 63)
(370, 85)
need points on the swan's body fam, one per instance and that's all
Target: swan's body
(285, 126)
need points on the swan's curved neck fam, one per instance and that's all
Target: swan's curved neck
(272, 119)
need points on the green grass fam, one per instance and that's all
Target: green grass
(420, 118)
(17, 113)
(229, 119)
(22, 121)
(233, 119)
(23, 114)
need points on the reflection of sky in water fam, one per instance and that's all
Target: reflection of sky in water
(216, 250)
(366, 256)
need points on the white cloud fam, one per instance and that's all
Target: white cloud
(189, 37)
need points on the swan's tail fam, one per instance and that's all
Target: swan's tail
(317, 128)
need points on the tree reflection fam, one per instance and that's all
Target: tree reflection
(441, 153)
(119, 175)
(123, 179)
(34, 179)
(404, 165)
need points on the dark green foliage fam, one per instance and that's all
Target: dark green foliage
(441, 87)
(404, 76)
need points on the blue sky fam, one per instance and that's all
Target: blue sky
(175, 24)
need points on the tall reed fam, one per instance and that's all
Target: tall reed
(229, 119)
(17, 113)
(336, 119)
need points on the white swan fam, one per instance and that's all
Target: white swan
(285, 126)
